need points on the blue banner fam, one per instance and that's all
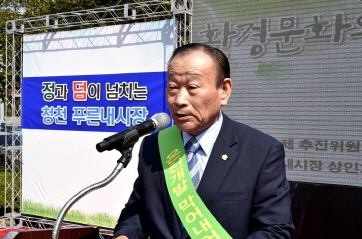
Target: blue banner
(107, 103)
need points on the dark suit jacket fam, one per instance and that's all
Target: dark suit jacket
(248, 193)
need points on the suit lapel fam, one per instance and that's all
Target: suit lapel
(213, 176)
(217, 168)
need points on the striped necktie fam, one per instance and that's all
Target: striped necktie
(194, 167)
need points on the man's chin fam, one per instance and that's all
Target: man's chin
(187, 127)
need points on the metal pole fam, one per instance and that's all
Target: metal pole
(80, 195)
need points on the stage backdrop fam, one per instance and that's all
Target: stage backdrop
(78, 88)
(296, 68)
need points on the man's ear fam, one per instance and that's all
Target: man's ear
(225, 88)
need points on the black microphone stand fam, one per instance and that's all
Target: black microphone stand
(121, 163)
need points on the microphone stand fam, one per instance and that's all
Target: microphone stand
(121, 163)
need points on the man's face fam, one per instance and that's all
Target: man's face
(192, 95)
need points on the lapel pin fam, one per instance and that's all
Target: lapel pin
(224, 157)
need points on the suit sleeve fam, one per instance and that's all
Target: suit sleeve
(131, 221)
(271, 211)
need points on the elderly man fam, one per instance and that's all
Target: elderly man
(239, 186)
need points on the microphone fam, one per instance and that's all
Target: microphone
(130, 136)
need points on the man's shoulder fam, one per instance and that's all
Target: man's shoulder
(151, 139)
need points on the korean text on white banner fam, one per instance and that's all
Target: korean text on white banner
(80, 87)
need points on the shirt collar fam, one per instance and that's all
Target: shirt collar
(208, 137)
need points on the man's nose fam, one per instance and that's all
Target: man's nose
(182, 97)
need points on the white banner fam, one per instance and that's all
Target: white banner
(59, 161)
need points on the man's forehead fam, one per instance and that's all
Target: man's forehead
(190, 75)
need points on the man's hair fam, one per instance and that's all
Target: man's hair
(219, 58)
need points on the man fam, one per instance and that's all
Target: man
(242, 170)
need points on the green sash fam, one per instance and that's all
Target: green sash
(194, 215)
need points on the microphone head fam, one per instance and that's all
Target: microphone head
(161, 120)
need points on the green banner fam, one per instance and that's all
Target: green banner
(194, 215)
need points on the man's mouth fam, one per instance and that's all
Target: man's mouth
(181, 115)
